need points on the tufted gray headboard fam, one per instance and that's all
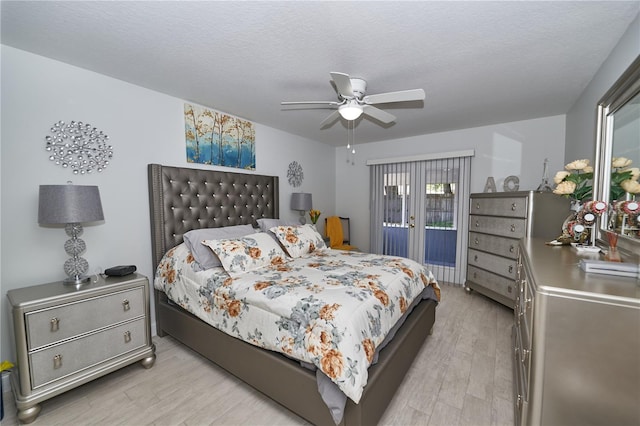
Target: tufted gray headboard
(182, 199)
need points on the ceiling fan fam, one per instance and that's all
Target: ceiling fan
(353, 100)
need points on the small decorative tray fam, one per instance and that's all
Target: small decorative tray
(585, 248)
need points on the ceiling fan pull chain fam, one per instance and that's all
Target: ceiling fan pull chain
(353, 146)
(348, 142)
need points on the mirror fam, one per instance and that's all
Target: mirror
(618, 138)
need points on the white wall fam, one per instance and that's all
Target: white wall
(144, 127)
(518, 148)
(581, 119)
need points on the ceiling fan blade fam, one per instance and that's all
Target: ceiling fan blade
(401, 96)
(330, 103)
(378, 114)
(332, 117)
(343, 84)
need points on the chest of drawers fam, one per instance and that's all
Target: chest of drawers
(497, 221)
(66, 336)
(576, 341)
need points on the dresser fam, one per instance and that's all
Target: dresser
(576, 341)
(496, 222)
(66, 336)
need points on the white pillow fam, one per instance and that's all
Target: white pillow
(248, 253)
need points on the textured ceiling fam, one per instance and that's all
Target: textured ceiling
(479, 62)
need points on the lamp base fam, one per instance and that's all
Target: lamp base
(77, 280)
(302, 220)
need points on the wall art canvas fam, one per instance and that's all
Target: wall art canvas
(218, 139)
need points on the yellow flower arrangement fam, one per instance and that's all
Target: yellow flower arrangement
(314, 215)
(5, 365)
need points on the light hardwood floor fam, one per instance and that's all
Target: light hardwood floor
(462, 376)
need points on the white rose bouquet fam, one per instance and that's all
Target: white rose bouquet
(623, 178)
(575, 181)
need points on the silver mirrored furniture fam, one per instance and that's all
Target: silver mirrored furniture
(67, 336)
(618, 135)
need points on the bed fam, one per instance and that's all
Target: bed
(183, 199)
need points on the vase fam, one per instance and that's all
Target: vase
(572, 230)
(613, 255)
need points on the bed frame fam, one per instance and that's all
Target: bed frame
(182, 199)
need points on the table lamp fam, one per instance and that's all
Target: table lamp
(301, 201)
(71, 205)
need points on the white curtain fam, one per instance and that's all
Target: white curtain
(423, 193)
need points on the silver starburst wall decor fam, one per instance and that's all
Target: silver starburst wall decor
(79, 147)
(295, 175)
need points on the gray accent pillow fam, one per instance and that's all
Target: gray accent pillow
(205, 257)
(266, 224)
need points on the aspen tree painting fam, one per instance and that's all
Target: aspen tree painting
(218, 139)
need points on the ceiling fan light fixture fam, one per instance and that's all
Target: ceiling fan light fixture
(350, 111)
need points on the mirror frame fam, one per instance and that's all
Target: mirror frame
(622, 91)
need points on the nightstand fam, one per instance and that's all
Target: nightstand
(66, 335)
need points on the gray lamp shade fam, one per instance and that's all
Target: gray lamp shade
(300, 201)
(69, 204)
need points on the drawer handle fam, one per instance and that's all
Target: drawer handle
(514, 206)
(512, 249)
(475, 275)
(510, 269)
(509, 290)
(513, 228)
(55, 324)
(125, 305)
(477, 224)
(475, 258)
(476, 241)
(477, 206)
(127, 336)
(519, 403)
(57, 361)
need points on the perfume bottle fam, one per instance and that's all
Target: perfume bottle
(544, 185)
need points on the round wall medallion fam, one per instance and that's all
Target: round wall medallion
(295, 174)
(79, 146)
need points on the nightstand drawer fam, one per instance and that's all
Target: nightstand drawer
(55, 324)
(501, 246)
(511, 207)
(61, 360)
(504, 226)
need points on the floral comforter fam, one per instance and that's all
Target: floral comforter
(331, 309)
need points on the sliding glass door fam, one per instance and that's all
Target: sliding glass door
(418, 211)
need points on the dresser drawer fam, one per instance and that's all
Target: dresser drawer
(510, 207)
(61, 360)
(521, 385)
(496, 283)
(492, 263)
(501, 246)
(503, 226)
(61, 322)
